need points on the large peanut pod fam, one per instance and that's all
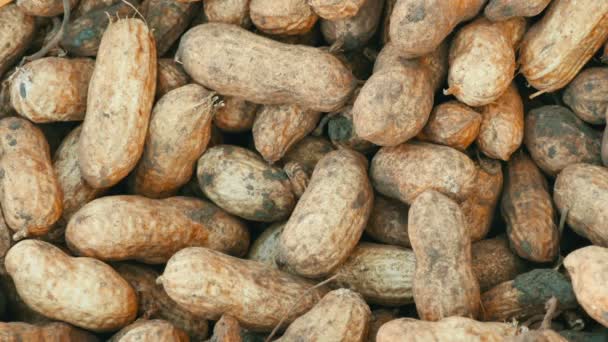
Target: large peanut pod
(29, 191)
(150, 330)
(84, 292)
(479, 76)
(388, 222)
(498, 10)
(336, 9)
(502, 125)
(589, 273)
(76, 191)
(330, 217)
(170, 75)
(494, 262)
(277, 127)
(585, 95)
(210, 284)
(354, 32)
(178, 134)
(342, 315)
(266, 247)
(382, 274)
(55, 332)
(448, 329)
(556, 48)
(581, 193)
(264, 71)
(528, 211)
(155, 303)
(418, 27)
(288, 17)
(444, 283)
(479, 208)
(526, 296)
(127, 227)
(234, 12)
(16, 32)
(52, 89)
(453, 124)
(557, 138)
(308, 151)
(243, 184)
(236, 115)
(120, 100)
(405, 171)
(167, 20)
(44, 8)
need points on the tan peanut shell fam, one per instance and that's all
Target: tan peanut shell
(52, 89)
(16, 32)
(170, 75)
(453, 124)
(155, 303)
(240, 182)
(418, 27)
(342, 315)
(444, 283)
(581, 193)
(84, 292)
(479, 207)
(556, 48)
(30, 194)
(55, 332)
(167, 20)
(589, 273)
(236, 115)
(126, 227)
(86, 6)
(178, 134)
(17, 310)
(290, 17)
(494, 262)
(502, 125)
(194, 275)
(557, 138)
(337, 9)
(379, 317)
(279, 73)
(330, 217)
(498, 10)
(120, 100)
(277, 127)
(405, 171)
(43, 8)
(382, 274)
(448, 329)
(148, 330)
(388, 222)
(227, 329)
(266, 247)
(234, 12)
(585, 95)
(528, 211)
(354, 32)
(308, 151)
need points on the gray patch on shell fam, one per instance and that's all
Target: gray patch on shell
(271, 174)
(360, 200)
(416, 12)
(15, 125)
(205, 179)
(22, 90)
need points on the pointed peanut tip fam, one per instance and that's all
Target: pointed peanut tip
(451, 90)
(20, 235)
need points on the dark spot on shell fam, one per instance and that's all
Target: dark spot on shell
(22, 90)
(14, 125)
(24, 216)
(1, 173)
(589, 86)
(13, 142)
(340, 129)
(202, 215)
(275, 174)
(537, 286)
(552, 151)
(205, 179)
(507, 11)
(360, 200)
(416, 12)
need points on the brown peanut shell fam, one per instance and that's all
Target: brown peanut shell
(170, 75)
(453, 124)
(167, 20)
(148, 330)
(17, 30)
(43, 8)
(236, 115)
(6, 108)
(494, 262)
(53, 332)
(308, 151)
(586, 95)
(354, 32)
(290, 17)
(227, 329)
(379, 317)
(337, 9)
(498, 10)
(388, 222)
(234, 12)
(448, 329)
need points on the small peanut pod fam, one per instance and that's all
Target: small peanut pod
(194, 275)
(279, 73)
(589, 273)
(29, 191)
(405, 171)
(498, 10)
(236, 115)
(266, 247)
(155, 303)
(526, 296)
(337, 9)
(448, 329)
(494, 262)
(586, 95)
(342, 315)
(240, 182)
(581, 193)
(43, 8)
(52, 89)
(379, 318)
(479, 76)
(330, 217)
(528, 211)
(149, 330)
(16, 32)
(120, 100)
(354, 32)
(556, 48)
(479, 207)
(418, 27)
(126, 227)
(290, 17)
(55, 332)
(277, 127)
(557, 138)
(84, 292)
(502, 125)
(444, 283)
(453, 124)
(170, 75)
(388, 222)
(382, 274)
(167, 20)
(307, 152)
(234, 12)
(227, 329)
(178, 134)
